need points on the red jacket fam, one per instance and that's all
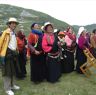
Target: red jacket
(20, 44)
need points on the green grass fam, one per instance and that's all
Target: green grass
(69, 84)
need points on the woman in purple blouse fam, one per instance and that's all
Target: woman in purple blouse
(81, 45)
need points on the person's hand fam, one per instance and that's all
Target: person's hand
(26, 46)
(86, 50)
(59, 43)
(37, 52)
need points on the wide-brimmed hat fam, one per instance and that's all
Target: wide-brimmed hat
(12, 19)
(46, 24)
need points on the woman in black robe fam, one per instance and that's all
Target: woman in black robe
(37, 57)
(51, 48)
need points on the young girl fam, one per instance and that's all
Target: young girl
(61, 37)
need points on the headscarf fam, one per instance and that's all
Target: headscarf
(81, 29)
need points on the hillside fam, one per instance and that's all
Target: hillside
(88, 27)
(26, 17)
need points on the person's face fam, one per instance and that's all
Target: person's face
(49, 29)
(36, 26)
(70, 30)
(12, 25)
(84, 33)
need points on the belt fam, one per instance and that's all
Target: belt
(53, 56)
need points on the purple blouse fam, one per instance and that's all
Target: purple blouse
(82, 42)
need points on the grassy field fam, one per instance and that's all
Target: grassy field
(69, 84)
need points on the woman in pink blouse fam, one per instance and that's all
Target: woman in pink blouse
(50, 46)
(70, 40)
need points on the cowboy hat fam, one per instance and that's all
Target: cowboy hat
(12, 20)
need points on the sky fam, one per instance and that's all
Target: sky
(73, 12)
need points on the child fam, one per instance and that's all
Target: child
(61, 37)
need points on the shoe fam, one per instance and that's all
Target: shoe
(15, 87)
(9, 92)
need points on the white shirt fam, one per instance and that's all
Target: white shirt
(13, 42)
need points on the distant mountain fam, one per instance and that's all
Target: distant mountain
(26, 17)
(88, 27)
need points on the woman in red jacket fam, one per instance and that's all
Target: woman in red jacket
(37, 58)
(21, 42)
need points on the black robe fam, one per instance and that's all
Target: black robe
(38, 64)
(81, 59)
(53, 64)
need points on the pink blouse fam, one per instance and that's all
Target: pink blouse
(47, 41)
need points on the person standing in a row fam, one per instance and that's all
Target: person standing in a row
(82, 44)
(8, 54)
(21, 54)
(70, 40)
(93, 42)
(50, 46)
(37, 58)
(61, 37)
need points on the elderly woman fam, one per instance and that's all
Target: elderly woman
(51, 48)
(82, 44)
